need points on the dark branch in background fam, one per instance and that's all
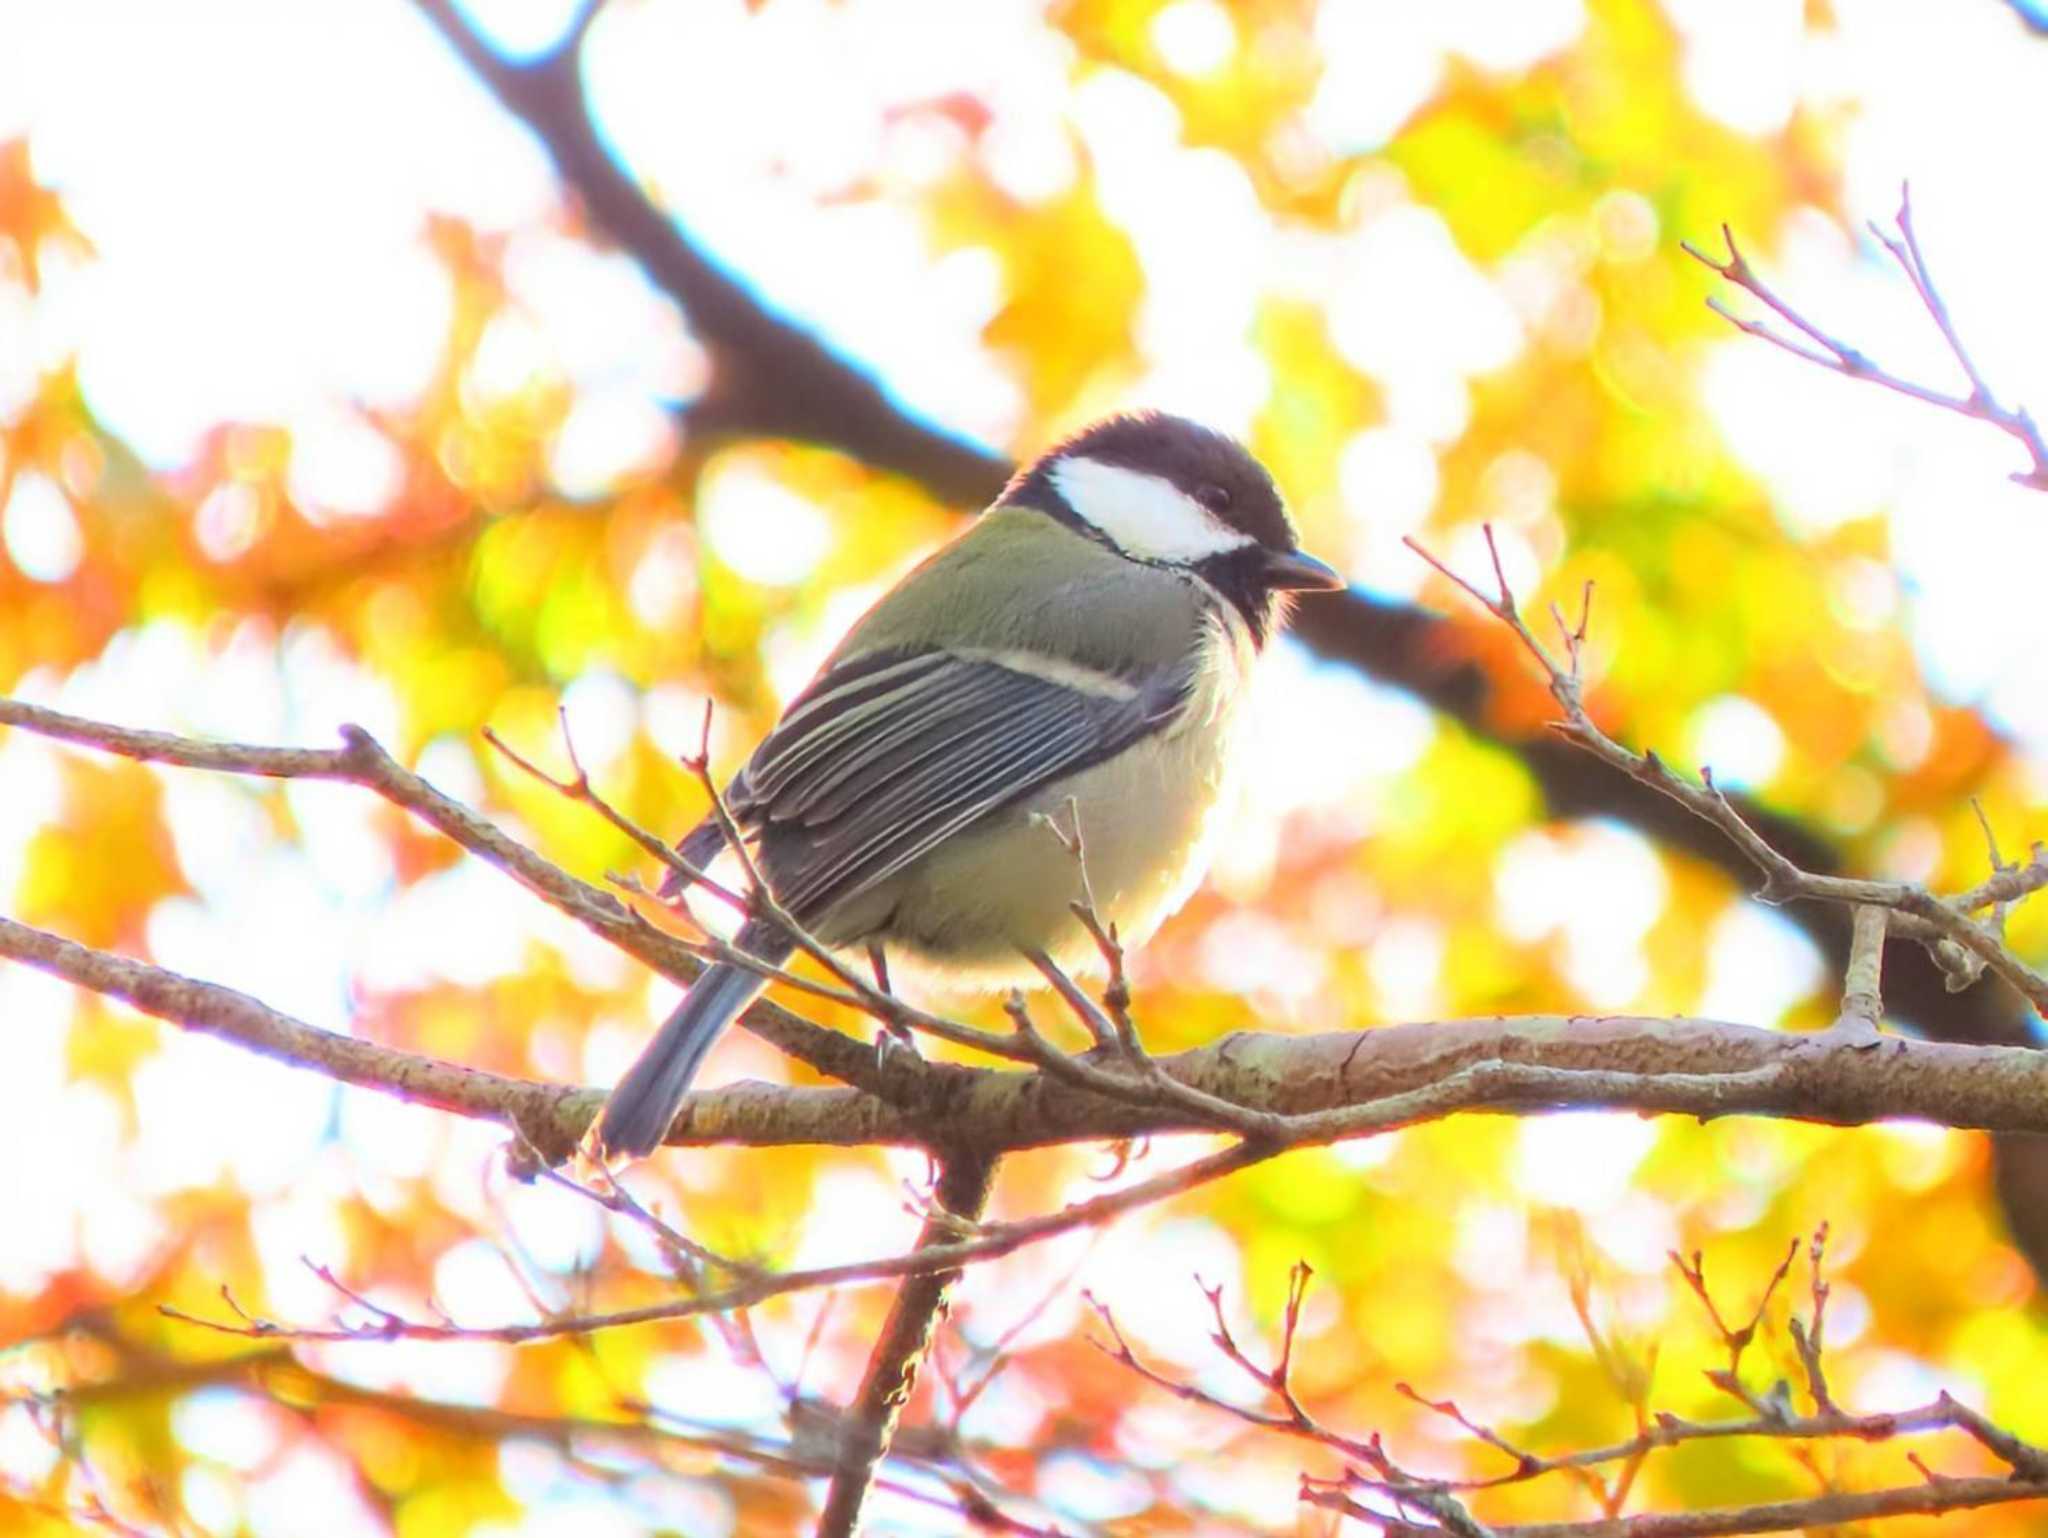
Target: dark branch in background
(1824, 350)
(776, 379)
(771, 378)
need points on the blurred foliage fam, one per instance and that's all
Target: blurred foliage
(480, 591)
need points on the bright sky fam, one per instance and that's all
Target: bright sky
(255, 175)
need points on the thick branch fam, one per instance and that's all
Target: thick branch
(920, 1303)
(360, 761)
(1683, 1066)
(771, 377)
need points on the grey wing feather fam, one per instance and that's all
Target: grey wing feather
(885, 757)
(839, 704)
(832, 709)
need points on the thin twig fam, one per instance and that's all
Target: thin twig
(987, 1243)
(1372, 1470)
(1827, 351)
(1917, 912)
(578, 788)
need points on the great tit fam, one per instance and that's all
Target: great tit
(1079, 654)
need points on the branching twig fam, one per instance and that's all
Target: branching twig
(361, 761)
(1373, 1471)
(770, 378)
(1827, 351)
(1143, 1081)
(578, 788)
(1915, 911)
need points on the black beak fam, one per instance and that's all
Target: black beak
(1299, 569)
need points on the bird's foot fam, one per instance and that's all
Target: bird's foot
(895, 1048)
(1859, 1033)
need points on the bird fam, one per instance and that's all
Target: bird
(1080, 654)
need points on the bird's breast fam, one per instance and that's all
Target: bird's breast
(1149, 818)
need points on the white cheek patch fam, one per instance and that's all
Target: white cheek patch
(1143, 515)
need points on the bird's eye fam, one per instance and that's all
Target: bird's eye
(1215, 498)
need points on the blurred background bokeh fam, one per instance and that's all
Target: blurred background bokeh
(323, 400)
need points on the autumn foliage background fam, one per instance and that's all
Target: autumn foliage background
(321, 402)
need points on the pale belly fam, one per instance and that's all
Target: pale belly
(1149, 820)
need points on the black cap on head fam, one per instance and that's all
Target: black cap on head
(1211, 468)
(1165, 490)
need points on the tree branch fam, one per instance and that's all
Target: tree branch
(1770, 1417)
(1319, 1086)
(765, 361)
(1833, 1510)
(770, 377)
(360, 761)
(549, 1116)
(960, 1197)
(1824, 350)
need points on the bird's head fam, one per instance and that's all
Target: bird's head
(1169, 492)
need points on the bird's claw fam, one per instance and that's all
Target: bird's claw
(894, 1047)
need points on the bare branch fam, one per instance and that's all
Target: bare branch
(360, 761)
(1824, 350)
(1333, 1086)
(548, 1116)
(987, 1242)
(578, 788)
(1771, 1418)
(1915, 911)
(962, 1192)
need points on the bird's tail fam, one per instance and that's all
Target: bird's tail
(699, 847)
(636, 1117)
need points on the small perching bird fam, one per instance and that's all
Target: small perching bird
(1079, 654)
